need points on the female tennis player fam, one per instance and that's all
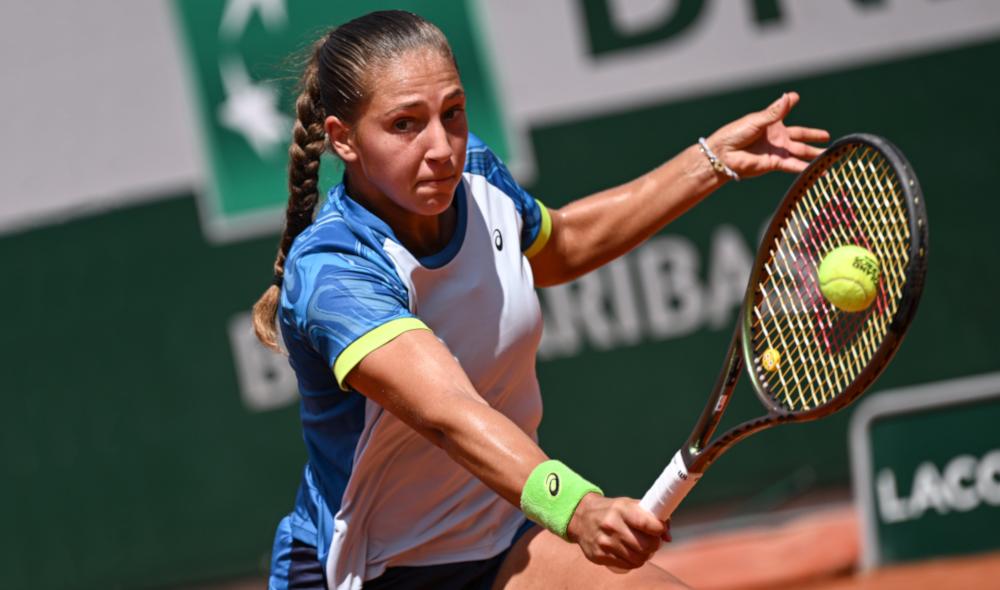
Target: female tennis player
(408, 310)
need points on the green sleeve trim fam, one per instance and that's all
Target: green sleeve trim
(543, 233)
(552, 493)
(360, 348)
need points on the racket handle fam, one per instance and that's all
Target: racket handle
(670, 488)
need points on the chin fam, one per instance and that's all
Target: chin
(435, 202)
(436, 206)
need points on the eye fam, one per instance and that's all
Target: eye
(453, 113)
(404, 124)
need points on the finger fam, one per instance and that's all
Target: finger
(615, 554)
(793, 165)
(641, 519)
(666, 532)
(633, 558)
(808, 134)
(628, 535)
(793, 99)
(804, 151)
(775, 112)
(641, 542)
(636, 541)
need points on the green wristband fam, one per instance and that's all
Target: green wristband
(552, 493)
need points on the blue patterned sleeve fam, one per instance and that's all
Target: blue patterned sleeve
(537, 224)
(347, 306)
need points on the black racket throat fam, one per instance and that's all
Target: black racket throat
(699, 452)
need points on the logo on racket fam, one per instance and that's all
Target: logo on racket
(552, 483)
(770, 360)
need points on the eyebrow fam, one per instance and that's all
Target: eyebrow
(409, 105)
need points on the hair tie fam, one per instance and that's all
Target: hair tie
(278, 280)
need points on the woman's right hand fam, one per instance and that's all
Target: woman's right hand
(760, 142)
(616, 532)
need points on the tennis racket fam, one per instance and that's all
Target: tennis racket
(805, 358)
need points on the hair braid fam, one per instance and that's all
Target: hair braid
(308, 143)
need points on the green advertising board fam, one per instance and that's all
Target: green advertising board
(244, 60)
(926, 465)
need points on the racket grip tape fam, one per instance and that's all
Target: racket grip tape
(670, 488)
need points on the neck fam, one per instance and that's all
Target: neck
(422, 235)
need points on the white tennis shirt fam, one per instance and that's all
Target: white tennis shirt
(376, 494)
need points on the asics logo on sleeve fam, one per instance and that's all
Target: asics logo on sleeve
(497, 239)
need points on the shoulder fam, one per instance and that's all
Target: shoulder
(481, 160)
(338, 251)
(535, 221)
(341, 230)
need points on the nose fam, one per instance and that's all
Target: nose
(438, 144)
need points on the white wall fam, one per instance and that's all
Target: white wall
(93, 108)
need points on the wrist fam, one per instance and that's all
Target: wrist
(699, 171)
(715, 159)
(552, 494)
(576, 521)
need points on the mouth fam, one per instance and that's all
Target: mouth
(439, 180)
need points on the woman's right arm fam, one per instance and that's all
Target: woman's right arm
(416, 378)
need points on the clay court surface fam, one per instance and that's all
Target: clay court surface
(818, 551)
(814, 550)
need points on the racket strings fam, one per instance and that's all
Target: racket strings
(854, 199)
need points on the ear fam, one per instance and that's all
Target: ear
(341, 139)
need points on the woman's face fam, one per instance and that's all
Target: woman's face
(408, 144)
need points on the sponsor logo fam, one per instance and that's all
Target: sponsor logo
(664, 290)
(867, 266)
(770, 360)
(721, 403)
(573, 60)
(552, 483)
(497, 239)
(965, 483)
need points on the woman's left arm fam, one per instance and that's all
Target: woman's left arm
(594, 230)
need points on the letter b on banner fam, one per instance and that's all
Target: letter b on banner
(615, 25)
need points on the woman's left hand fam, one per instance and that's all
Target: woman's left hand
(760, 142)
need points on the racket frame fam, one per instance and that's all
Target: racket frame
(698, 452)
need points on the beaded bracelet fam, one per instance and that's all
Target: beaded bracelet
(717, 164)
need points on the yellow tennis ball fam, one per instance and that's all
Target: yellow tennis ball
(848, 277)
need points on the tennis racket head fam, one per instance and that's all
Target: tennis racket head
(862, 191)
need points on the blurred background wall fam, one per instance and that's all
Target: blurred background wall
(147, 441)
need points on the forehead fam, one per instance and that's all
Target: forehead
(413, 75)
